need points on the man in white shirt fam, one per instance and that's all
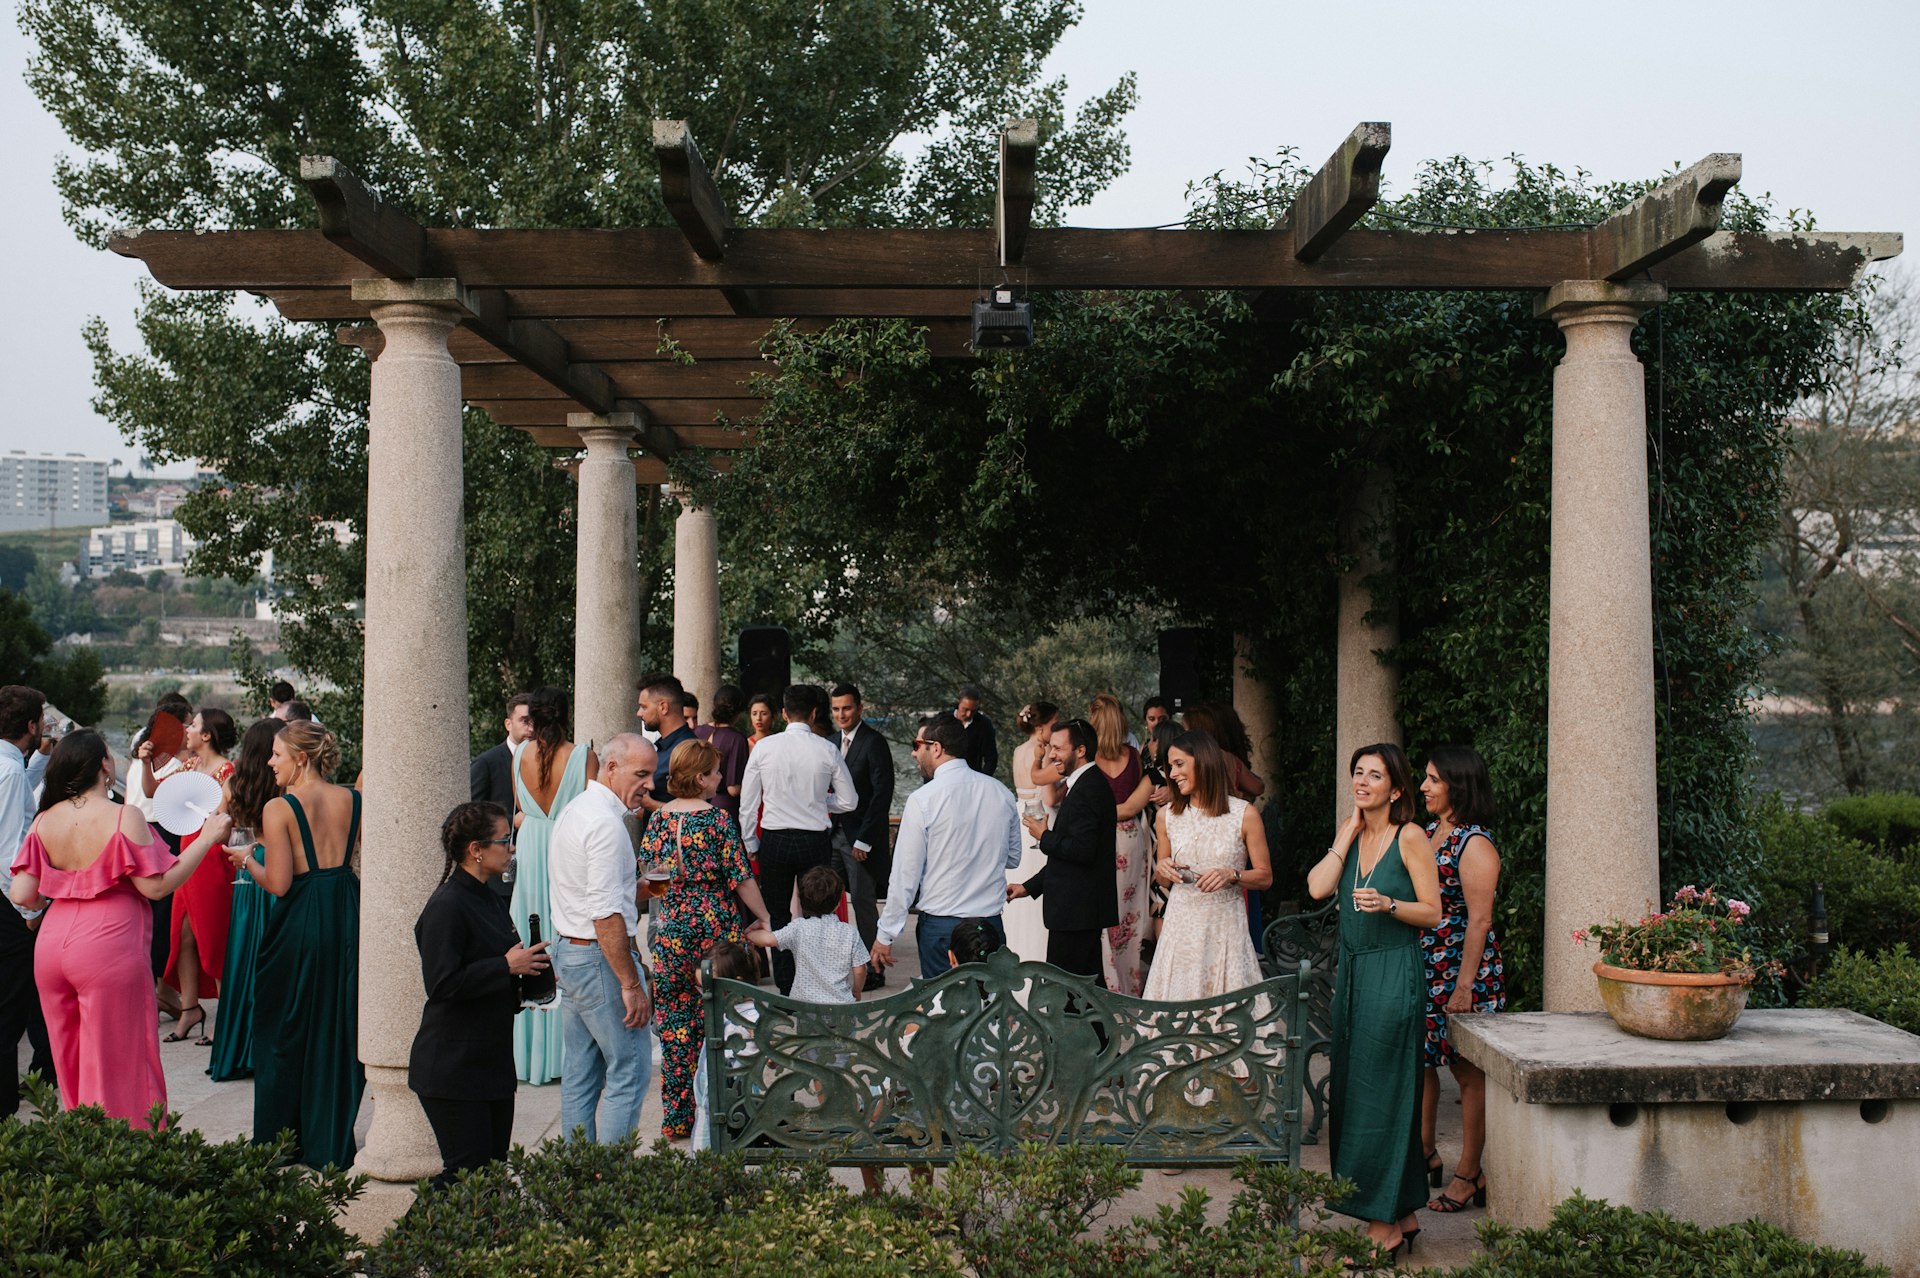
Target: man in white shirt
(959, 835)
(796, 781)
(606, 1015)
(21, 766)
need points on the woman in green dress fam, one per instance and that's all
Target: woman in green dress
(1382, 867)
(249, 790)
(549, 772)
(307, 1077)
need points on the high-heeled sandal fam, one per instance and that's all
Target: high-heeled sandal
(182, 1031)
(1447, 1204)
(1436, 1169)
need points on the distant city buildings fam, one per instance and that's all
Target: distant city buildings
(138, 547)
(51, 490)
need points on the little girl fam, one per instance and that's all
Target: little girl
(731, 963)
(830, 963)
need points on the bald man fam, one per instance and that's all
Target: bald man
(606, 1017)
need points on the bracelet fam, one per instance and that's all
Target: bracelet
(637, 985)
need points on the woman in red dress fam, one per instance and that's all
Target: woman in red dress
(203, 909)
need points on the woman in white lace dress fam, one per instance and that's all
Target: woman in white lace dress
(1213, 849)
(1026, 930)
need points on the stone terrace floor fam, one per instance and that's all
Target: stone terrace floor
(225, 1110)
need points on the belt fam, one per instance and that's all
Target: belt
(574, 940)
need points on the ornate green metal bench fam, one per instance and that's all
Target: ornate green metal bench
(993, 1054)
(1311, 938)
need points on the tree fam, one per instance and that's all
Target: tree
(1844, 593)
(484, 114)
(69, 679)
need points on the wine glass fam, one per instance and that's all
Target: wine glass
(240, 836)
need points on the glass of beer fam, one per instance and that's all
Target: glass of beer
(659, 879)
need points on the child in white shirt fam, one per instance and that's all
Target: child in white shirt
(829, 962)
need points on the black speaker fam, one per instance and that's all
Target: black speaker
(1180, 667)
(766, 661)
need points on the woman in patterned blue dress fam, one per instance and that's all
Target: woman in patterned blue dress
(1459, 797)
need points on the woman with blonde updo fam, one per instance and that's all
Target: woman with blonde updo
(1119, 763)
(307, 1075)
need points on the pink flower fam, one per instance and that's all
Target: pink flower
(1738, 909)
(1687, 893)
(1580, 936)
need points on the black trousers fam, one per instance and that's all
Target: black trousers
(470, 1133)
(860, 894)
(19, 1008)
(785, 855)
(1076, 951)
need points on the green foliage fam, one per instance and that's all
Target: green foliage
(70, 678)
(1885, 986)
(576, 1209)
(16, 565)
(1592, 1239)
(1873, 902)
(1887, 823)
(1699, 931)
(83, 1195)
(1033, 1214)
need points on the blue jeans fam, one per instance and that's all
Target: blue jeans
(934, 936)
(607, 1067)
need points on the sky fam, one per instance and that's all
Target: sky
(1822, 101)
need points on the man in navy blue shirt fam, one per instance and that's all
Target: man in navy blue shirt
(662, 709)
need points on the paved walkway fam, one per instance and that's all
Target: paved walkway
(222, 1111)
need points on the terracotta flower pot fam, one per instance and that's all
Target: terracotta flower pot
(1678, 1006)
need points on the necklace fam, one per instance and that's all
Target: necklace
(1366, 880)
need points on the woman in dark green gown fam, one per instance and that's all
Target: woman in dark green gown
(1382, 868)
(307, 1076)
(249, 790)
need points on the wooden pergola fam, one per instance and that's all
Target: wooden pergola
(577, 337)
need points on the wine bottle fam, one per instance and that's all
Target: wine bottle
(537, 987)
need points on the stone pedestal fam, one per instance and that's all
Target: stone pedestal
(1601, 772)
(606, 581)
(1367, 687)
(1806, 1119)
(696, 600)
(415, 743)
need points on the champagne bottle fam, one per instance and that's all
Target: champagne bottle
(536, 987)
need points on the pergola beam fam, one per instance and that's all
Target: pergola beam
(691, 196)
(1013, 202)
(541, 351)
(1668, 220)
(355, 221)
(1340, 194)
(842, 266)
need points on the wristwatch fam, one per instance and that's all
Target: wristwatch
(1393, 906)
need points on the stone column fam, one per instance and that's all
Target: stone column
(414, 745)
(1366, 684)
(696, 599)
(606, 581)
(1253, 699)
(1603, 830)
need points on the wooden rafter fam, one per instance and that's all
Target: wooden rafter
(691, 196)
(353, 219)
(1340, 194)
(1013, 202)
(1671, 218)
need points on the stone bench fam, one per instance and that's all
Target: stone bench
(994, 1054)
(1808, 1119)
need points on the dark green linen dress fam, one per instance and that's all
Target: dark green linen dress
(1379, 1017)
(307, 1076)
(233, 1032)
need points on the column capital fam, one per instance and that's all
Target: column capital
(1577, 299)
(605, 432)
(447, 294)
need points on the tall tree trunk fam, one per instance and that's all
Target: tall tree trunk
(1846, 742)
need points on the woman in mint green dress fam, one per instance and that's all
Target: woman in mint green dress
(1382, 869)
(549, 772)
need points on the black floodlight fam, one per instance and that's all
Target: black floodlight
(1001, 322)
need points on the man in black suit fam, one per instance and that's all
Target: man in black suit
(982, 752)
(490, 775)
(1077, 881)
(860, 847)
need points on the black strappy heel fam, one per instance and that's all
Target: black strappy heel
(1446, 1204)
(183, 1031)
(1436, 1169)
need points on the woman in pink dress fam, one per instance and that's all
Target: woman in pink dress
(99, 863)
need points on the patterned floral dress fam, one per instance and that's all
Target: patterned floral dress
(710, 862)
(1442, 945)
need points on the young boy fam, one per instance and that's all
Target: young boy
(731, 962)
(830, 964)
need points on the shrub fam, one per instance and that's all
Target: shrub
(84, 1194)
(574, 1209)
(1592, 1239)
(1884, 986)
(1888, 823)
(1873, 902)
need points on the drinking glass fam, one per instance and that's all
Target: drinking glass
(240, 836)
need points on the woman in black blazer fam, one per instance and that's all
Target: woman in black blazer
(462, 1061)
